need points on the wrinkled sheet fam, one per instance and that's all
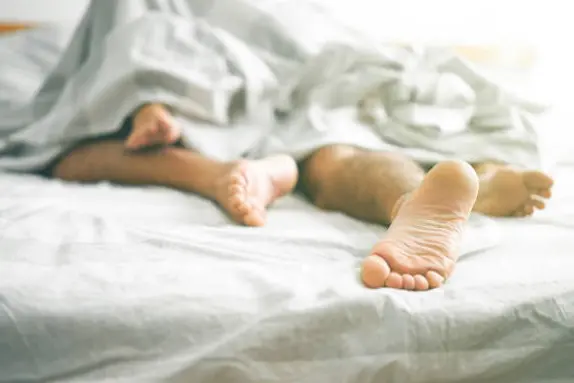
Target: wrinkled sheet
(107, 283)
(245, 79)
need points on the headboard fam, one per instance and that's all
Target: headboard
(14, 26)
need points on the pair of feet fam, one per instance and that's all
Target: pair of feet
(421, 246)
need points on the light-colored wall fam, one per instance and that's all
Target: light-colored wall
(473, 21)
(41, 10)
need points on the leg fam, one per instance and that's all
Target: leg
(506, 191)
(242, 188)
(427, 213)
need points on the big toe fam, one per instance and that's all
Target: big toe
(537, 180)
(255, 217)
(375, 271)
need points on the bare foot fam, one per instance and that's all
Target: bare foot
(153, 125)
(420, 248)
(505, 191)
(250, 186)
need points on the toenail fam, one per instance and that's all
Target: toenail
(434, 279)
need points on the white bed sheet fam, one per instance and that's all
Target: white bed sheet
(107, 283)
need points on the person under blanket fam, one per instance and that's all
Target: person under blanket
(426, 213)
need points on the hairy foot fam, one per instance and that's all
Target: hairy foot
(250, 186)
(420, 249)
(505, 191)
(153, 125)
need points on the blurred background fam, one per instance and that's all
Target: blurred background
(525, 44)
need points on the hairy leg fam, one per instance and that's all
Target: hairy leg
(427, 213)
(364, 185)
(243, 188)
(507, 191)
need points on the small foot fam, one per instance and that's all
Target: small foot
(153, 125)
(421, 246)
(250, 186)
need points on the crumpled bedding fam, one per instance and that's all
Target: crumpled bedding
(27, 58)
(244, 82)
(428, 104)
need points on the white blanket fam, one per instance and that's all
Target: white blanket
(245, 79)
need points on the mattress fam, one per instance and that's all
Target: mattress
(134, 284)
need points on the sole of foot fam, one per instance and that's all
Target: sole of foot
(508, 192)
(248, 187)
(420, 249)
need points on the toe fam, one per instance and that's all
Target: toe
(435, 279)
(394, 281)
(408, 282)
(238, 178)
(375, 271)
(537, 203)
(254, 217)
(421, 283)
(537, 180)
(242, 207)
(544, 193)
(235, 189)
(238, 204)
(528, 210)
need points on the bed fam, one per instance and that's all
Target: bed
(112, 283)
